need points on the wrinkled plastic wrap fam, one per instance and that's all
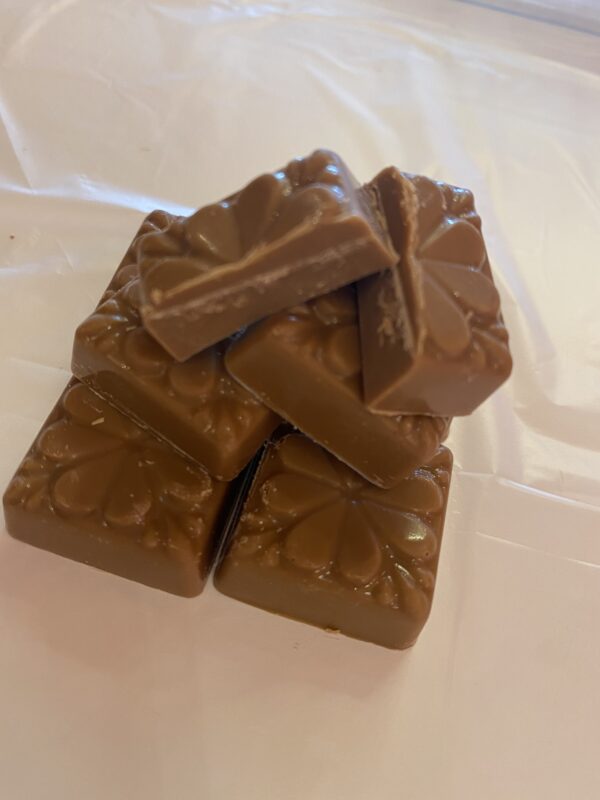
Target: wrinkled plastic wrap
(111, 690)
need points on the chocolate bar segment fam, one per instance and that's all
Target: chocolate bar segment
(97, 488)
(305, 364)
(195, 405)
(286, 237)
(317, 543)
(432, 335)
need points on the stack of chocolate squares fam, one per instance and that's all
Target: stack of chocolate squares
(268, 383)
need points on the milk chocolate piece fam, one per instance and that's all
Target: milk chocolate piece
(97, 488)
(318, 543)
(194, 405)
(288, 236)
(433, 338)
(304, 363)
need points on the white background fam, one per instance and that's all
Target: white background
(111, 691)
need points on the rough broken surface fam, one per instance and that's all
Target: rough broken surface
(97, 488)
(194, 405)
(432, 335)
(318, 543)
(286, 237)
(305, 364)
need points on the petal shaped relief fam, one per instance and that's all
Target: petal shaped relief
(431, 205)
(157, 244)
(359, 556)
(125, 274)
(188, 486)
(99, 324)
(257, 206)
(144, 353)
(299, 333)
(64, 442)
(303, 207)
(303, 457)
(129, 499)
(23, 487)
(341, 353)
(385, 592)
(471, 287)
(446, 321)
(420, 492)
(87, 409)
(497, 354)
(81, 489)
(312, 542)
(406, 533)
(335, 308)
(295, 495)
(455, 241)
(195, 378)
(422, 433)
(131, 297)
(414, 599)
(213, 233)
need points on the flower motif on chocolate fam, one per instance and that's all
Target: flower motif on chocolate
(155, 224)
(461, 301)
(214, 403)
(326, 329)
(269, 208)
(92, 460)
(315, 514)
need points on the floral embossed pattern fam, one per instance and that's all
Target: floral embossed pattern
(194, 404)
(325, 332)
(312, 517)
(462, 305)
(96, 469)
(432, 334)
(267, 209)
(288, 236)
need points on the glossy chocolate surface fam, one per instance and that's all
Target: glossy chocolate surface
(195, 405)
(286, 237)
(432, 335)
(318, 543)
(305, 364)
(97, 488)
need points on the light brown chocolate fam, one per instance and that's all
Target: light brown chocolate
(305, 364)
(97, 488)
(432, 335)
(317, 543)
(286, 237)
(195, 405)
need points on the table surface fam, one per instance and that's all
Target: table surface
(111, 690)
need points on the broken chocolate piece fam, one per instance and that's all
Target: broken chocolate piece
(432, 335)
(288, 236)
(97, 488)
(304, 363)
(195, 405)
(317, 543)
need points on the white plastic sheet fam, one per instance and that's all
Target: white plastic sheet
(111, 690)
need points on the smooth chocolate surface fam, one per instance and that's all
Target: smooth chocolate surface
(305, 364)
(97, 488)
(286, 237)
(194, 405)
(318, 543)
(432, 335)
